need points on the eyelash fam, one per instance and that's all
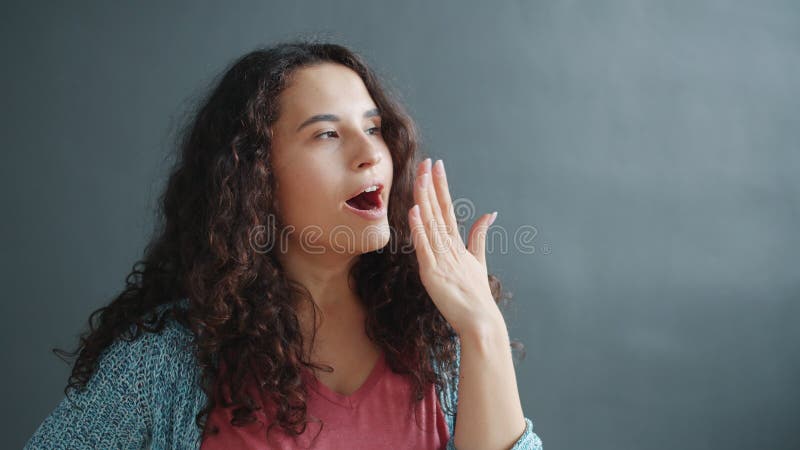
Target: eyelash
(378, 130)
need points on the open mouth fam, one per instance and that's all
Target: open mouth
(366, 200)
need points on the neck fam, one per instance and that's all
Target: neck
(326, 275)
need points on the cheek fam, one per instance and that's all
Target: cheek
(306, 195)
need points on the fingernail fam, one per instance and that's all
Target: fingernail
(428, 164)
(423, 180)
(491, 221)
(439, 167)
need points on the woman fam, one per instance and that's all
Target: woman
(308, 286)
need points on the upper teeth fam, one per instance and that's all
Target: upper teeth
(371, 189)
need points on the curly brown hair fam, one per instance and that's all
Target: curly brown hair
(240, 307)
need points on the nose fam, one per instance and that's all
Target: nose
(368, 155)
(372, 158)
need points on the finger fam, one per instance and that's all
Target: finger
(422, 200)
(439, 234)
(477, 237)
(424, 256)
(420, 167)
(445, 202)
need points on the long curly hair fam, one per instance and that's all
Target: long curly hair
(240, 307)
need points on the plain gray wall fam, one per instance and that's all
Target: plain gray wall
(652, 145)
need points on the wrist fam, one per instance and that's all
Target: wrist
(487, 335)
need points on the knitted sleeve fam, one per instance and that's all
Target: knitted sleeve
(112, 411)
(528, 441)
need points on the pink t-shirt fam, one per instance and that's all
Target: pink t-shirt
(377, 415)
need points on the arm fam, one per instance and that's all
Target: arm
(112, 412)
(527, 441)
(456, 278)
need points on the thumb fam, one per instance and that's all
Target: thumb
(477, 237)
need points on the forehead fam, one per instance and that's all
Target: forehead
(323, 88)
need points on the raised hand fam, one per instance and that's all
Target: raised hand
(454, 275)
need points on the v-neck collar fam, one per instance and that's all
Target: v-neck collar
(348, 401)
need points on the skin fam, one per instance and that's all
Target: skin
(455, 276)
(317, 169)
(316, 173)
(319, 166)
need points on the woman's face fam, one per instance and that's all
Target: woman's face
(327, 147)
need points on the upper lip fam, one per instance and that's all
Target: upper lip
(365, 185)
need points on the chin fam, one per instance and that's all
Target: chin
(374, 237)
(354, 241)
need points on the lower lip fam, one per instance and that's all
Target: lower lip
(369, 214)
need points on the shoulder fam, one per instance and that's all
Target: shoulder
(135, 382)
(151, 357)
(172, 336)
(169, 352)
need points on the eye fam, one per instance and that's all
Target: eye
(377, 130)
(325, 133)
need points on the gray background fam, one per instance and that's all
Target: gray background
(652, 145)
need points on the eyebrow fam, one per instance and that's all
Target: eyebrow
(334, 118)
